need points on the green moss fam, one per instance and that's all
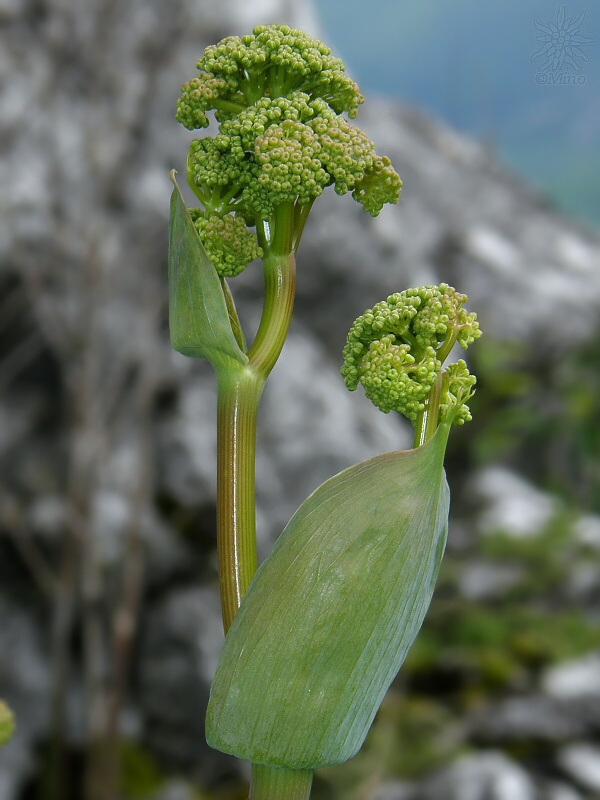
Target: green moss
(547, 560)
(490, 647)
(7, 723)
(542, 415)
(140, 774)
(424, 743)
(501, 404)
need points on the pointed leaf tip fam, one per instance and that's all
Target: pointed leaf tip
(198, 317)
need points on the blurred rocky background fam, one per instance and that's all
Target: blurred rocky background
(109, 615)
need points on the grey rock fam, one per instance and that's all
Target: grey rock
(583, 586)
(396, 790)
(494, 240)
(181, 639)
(485, 776)
(165, 555)
(581, 762)
(511, 504)
(485, 581)
(560, 791)
(238, 15)
(25, 686)
(47, 517)
(112, 523)
(17, 764)
(536, 717)
(575, 679)
(176, 790)
(18, 415)
(188, 443)
(587, 530)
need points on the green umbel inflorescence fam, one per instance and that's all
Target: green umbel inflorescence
(229, 244)
(397, 350)
(278, 95)
(273, 61)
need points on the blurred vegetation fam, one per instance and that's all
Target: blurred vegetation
(7, 723)
(542, 418)
(142, 776)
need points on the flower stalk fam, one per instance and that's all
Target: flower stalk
(240, 391)
(237, 411)
(274, 783)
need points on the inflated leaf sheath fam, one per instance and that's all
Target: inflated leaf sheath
(332, 612)
(198, 315)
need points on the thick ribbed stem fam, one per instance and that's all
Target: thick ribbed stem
(279, 266)
(280, 290)
(239, 397)
(240, 389)
(274, 783)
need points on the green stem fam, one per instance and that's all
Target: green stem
(301, 213)
(448, 345)
(240, 390)
(275, 783)
(237, 411)
(228, 105)
(280, 290)
(428, 420)
(279, 265)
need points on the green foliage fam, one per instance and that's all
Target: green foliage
(545, 559)
(396, 351)
(7, 723)
(545, 417)
(506, 385)
(491, 648)
(142, 778)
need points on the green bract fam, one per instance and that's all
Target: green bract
(397, 349)
(332, 613)
(199, 319)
